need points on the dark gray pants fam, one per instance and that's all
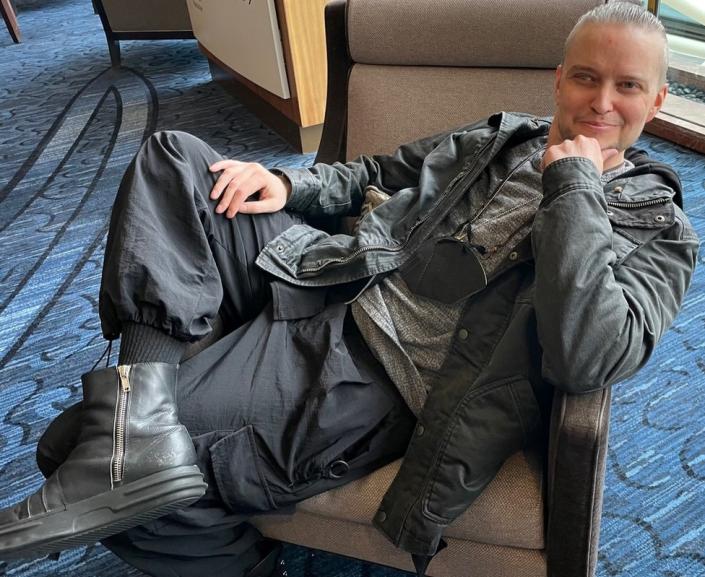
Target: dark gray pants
(279, 410)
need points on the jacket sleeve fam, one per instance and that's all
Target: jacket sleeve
(338, 189)
(598, 323)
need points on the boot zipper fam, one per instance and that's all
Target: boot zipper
(118, 461)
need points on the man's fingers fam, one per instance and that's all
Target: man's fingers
(239, 181)
(223, 164)
(231, 170)
(237, 193)
(220, 184)
(258, 206)
(239, 173)
(238, 200)
(227, 196)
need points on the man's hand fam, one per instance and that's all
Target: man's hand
(240, 180)
(580, 146)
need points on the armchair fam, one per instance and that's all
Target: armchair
(399, 70)
(141, 20)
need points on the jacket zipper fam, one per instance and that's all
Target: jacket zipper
(118, 461)
(364, 249)
(638, 204)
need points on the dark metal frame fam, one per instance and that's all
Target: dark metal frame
(114, 38)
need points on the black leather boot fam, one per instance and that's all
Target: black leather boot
(59, 439)
(133, 462)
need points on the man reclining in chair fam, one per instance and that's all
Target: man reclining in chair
(512, 256)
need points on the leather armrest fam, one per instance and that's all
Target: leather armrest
(576, 468)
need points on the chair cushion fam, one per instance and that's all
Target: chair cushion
(509, 512)
(461, 559)
(434, 99)
(511, 33)
(147, 15)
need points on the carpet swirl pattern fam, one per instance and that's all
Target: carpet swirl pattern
(69, 125)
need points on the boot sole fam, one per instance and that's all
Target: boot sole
(93, 519)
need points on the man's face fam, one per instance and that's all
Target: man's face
(608, 86)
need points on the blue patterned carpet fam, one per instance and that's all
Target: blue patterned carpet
(68, 127)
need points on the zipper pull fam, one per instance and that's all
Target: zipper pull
(124, 373)
(462, 234)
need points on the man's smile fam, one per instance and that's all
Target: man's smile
(599, 124)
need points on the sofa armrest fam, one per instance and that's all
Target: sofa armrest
(576, 468)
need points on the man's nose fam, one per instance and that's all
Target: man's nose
(603, 100)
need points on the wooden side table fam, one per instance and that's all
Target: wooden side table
(296, 116)
(8, 14)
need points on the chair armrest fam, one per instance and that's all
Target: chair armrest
(577, 452)
(332, 147)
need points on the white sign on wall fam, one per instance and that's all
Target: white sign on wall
(244, 35)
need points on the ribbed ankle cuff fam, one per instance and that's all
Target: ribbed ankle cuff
(143, 344)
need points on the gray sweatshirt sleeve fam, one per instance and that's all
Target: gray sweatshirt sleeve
(597, 322)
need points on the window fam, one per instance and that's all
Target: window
(683, 116)
(685, 25)
(684, 20)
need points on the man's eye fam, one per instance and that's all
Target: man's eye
(629, 85)
(584, 78)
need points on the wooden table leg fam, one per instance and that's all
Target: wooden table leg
(8, 14)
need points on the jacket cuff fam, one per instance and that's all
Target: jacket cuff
(305, 188)
(392, 520)
(569, 174)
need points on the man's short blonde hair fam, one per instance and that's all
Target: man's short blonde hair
(627, 14)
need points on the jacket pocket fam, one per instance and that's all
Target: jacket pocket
(489, 425)
(239, 473)
(623, 244)
(633, 224)
(526, 408)
(290, 302)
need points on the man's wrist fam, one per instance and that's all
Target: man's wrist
(568, 174)
(286, 182)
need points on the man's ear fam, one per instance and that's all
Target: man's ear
(557, 82)
(658, 102)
